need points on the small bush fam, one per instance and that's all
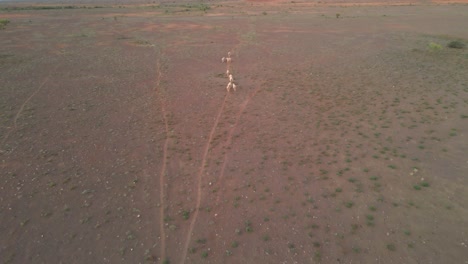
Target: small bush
(186, 215)
(3, 23)
(434, 46)
(456, 44)
(204, 7)
(425, 184)
(201, 241)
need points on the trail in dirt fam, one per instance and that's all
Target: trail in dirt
(163, 165)
(229, 140)
(211, 135)
(199, 179)
(15, 120)
(243, 106)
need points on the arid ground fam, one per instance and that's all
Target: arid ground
(345, 142)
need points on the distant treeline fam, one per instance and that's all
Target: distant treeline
(14, 8)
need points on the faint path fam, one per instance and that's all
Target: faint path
(15, 120)
(229, 140)
(163, 166)
(199, 180)
(207, 147)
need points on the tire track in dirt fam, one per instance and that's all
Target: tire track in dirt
(199, 180)
(229, 139)
(15, 120)
(235, 50)
(164, 162)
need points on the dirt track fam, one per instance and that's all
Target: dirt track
(345, 141)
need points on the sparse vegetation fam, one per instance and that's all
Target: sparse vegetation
(424, 184)
(316, 149)
(456, 44)
(370, 220)
(186, 214)
(203, 7)
(318, 256)
(248, 226)
(434, 46)
(201, 241)
(453, 133)
(3, 23)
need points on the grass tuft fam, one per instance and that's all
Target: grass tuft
(425, 184)
(434, 46)
(186, 215)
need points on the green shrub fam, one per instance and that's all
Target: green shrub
(391, 247)
(3, 23)
(456, 44)
(204, 7)
(434, 46)
(425, 184)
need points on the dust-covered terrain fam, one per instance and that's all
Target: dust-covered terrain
(344, 142)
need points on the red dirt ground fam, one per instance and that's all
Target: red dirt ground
(345, 141)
